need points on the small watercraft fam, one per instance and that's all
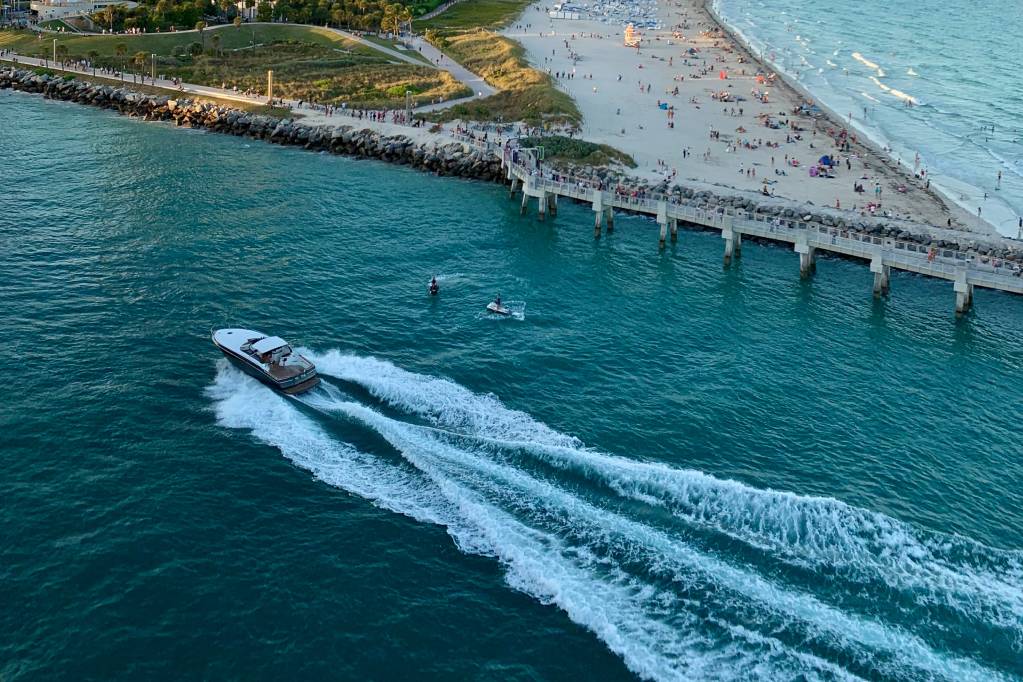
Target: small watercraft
(498, 309)
(267, 358)
(433, 287)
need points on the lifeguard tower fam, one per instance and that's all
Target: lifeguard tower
(632, 36)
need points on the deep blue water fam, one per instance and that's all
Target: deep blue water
(662, 469)
(958, 61)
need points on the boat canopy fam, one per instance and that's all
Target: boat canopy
(268, 344)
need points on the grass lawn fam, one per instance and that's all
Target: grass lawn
(475, 14)
(576, 151)
(394, 45)
(318, 74)
(309, 63)
(31, 44)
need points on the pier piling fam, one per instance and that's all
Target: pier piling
(674, 230)
(662, 220)
(541, 204)
(964, 293)
(807, 257)
(525, 203)
(882, 274)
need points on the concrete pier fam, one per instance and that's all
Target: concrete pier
(525, 203)
(552, 204)
(882, 275)
(541, 204)
(965, 268)
(515, 186)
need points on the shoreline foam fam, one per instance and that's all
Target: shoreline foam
(947, 187)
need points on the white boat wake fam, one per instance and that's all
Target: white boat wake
(679, 573)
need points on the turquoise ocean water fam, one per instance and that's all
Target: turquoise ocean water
(661, 469)
(958, 63)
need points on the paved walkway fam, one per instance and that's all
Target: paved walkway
(309, 115)
(440, 10)
(474, 82)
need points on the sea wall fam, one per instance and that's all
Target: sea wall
(452, 159)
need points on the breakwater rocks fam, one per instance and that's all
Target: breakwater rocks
(452, 159)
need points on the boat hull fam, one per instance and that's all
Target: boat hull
(244, 365)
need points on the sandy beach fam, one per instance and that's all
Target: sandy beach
(688, 105)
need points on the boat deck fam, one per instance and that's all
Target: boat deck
(287, 371)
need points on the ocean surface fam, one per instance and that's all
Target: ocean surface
(936, 79)
(659, 468)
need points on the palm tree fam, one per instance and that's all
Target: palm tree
(62, 52)
(121, 49)
(216, 42)
(406, 17)
(140, 61)
(238, 21)
(200, 26)
(93, 56)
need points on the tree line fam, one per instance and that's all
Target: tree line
(170, 15)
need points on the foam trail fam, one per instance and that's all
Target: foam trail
(241, 402)
(631, 617)
(654, 631)
(613, 534)
(816, 533)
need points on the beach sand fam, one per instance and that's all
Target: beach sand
(619, 89)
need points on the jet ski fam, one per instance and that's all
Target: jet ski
(433, 287)
(498, 309)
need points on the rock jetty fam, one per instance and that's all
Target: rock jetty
(451, 159)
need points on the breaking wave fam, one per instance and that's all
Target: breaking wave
(679, 573)
(863, 60)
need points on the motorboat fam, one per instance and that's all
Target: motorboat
(267, 358)
(498, 309)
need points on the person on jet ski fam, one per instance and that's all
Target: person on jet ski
(434, 287)
(497, 301)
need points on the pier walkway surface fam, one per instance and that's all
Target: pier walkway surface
(966, 270)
